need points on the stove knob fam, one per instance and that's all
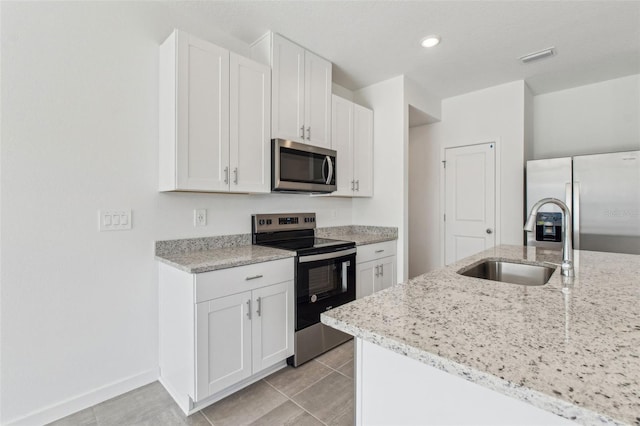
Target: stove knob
(261, 222)
(269, 222)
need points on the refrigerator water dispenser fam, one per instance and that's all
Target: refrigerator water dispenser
(549, 227)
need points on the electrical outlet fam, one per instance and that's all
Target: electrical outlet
(200, 217)
(114, 220)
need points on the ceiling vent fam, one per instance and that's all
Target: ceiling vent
(538, 55)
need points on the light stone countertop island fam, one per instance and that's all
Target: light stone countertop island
(571, 349)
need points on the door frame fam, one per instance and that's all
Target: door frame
(497, 228)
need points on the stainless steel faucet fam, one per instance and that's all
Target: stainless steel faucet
(567, 232)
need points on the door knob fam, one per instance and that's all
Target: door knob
(489, 231)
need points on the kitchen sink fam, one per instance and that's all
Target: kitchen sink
(509, 272)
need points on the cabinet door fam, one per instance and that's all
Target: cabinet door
(363, 151)
(365, 278)
(202, 115)
(287, 112)
(223, 343)
(342, 143)
(386, 273)
(317, 101)
(273, 325)
(249, 115)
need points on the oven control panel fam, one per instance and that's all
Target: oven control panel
(282, 222)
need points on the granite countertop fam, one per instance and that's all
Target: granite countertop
(197, 255)
(359, 234)
(569, 348)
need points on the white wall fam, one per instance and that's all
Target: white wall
(79, 133)
(493, 114)
(600, 117)
(386, 207)
(389, 205)
(424, 217)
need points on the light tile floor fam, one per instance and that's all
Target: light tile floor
(320, 392)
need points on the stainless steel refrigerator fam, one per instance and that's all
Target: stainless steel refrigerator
(603, 194)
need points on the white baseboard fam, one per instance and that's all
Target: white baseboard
(72, 405)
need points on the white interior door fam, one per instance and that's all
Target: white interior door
(469, 200)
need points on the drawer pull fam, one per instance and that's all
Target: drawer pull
(379, 251)
(255, 277)
(249, 308)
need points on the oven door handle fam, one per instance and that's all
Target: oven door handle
(345, 266)
(325, 256)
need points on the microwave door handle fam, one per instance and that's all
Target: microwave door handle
(323, 164)
(330, 170)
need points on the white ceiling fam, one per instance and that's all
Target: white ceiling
(371, 41)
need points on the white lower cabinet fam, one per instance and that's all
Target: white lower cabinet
(223, 343)
(376, 268)
(239, 335)
(222, 330)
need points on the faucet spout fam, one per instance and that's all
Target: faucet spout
(567, 232)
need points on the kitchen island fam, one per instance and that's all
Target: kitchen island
(570, 348)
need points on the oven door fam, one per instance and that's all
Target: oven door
(323, 281)
(302, 168)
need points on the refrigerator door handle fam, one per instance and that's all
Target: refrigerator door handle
(576, 215)
(568, 197)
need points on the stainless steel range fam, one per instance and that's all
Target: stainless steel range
(325, 277)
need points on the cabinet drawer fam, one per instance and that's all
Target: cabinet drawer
(375, 251)
(224, 282)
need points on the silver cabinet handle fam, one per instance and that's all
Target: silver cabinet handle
(235, 175)
(379, 251)
(302, 132)
(258, 311)
(353, 185)
(254, 277)
(309, 133)
(226, 175)
(382, 270)
(358, 185)
(249, 308)
(489, 231)
(377, 270)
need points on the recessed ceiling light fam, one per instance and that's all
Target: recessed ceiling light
(430, 41)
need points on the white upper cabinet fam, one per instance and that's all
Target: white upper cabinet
(362, 151)
(214, 118)
(342, 143)
(352, 138)
(301, 82)
(249, 147)
(287, 119)
(317, 100)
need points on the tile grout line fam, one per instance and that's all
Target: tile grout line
(336, 369)
(205, 417)
(294, 402)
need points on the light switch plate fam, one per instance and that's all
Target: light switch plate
(200, 217)
(114, 220)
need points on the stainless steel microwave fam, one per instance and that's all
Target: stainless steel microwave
(297, 167)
